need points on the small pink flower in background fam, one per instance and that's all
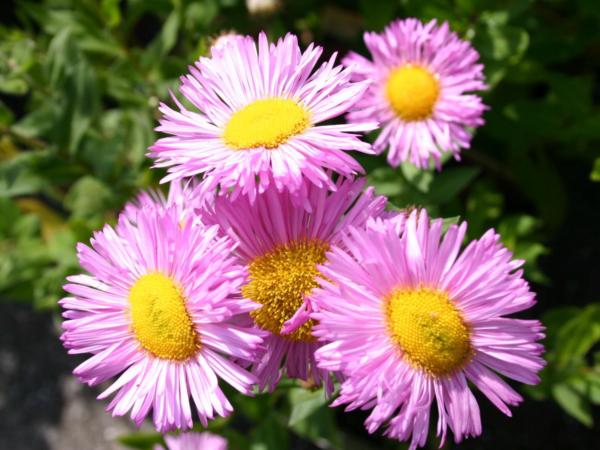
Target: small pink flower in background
(422, 76)
(161, 309)
(410, 320)
(282, 245)
(194, 441)
(256, 123)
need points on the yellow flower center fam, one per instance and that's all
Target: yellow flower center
(279, 280)
(412, 92)
(429, 330)
(265, 123)
(160, 319)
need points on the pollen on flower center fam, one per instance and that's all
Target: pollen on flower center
(160, 320)
(412, 92)
(265, 123)
(429, 330)
(279, 280)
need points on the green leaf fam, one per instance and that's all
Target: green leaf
(375, 18)
(554, 319)
(313, 420)
(71, 74)
(270, 435)
(19, 177)
(16, 59)
(83, 102)
(304, 403)
(15, 86)
(595, 174)
(593, 379)
(448, 221)
(91, 35)
(8, 216)
(61, 247)
(519, 235)
(484, 206)
(419, 178)
(574, 403)
(164, 42)
(110, 10)
(62, 53)
(38, 122)
(6, 115)
(88, 197)
(142, 441)
(386, 181)
(500, 44)
(199, 15)
(578, 335)
(451, 182)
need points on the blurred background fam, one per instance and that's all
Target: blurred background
(80, 82)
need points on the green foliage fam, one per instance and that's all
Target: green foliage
(80, 82)
(595, 174)
(572, 377)
(142, 441)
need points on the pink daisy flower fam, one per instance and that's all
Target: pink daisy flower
(282, 244)
(161, 307)
(410, 320)
(421, 77)
(257, 119)
(182, 197)
(194, 441)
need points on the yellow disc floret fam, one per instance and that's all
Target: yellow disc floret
(279, 280)
(412, 92)
(160, 320)
(429, 330)
(265, 123)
